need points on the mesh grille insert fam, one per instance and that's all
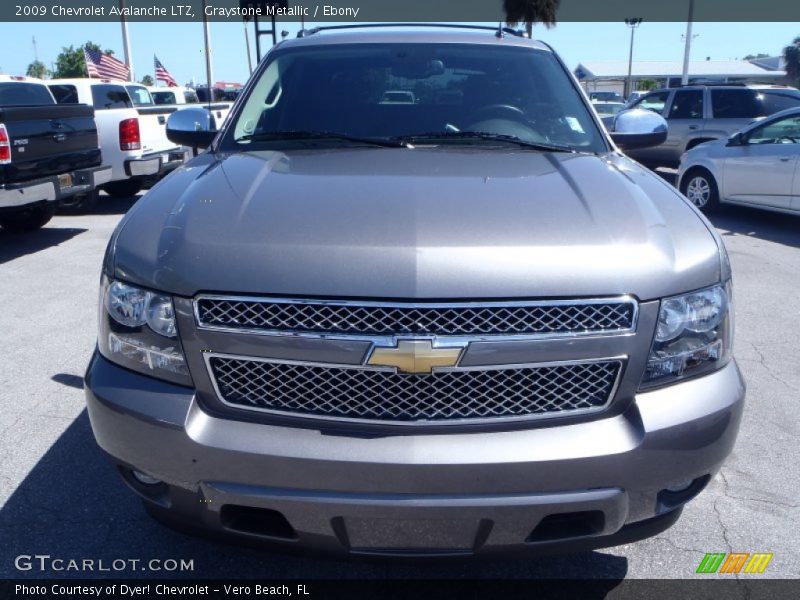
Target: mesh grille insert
(355, 319)
(343, 392)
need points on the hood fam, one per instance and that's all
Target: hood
(415, 224)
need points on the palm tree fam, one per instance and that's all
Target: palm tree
(791, 54)
(530, 12)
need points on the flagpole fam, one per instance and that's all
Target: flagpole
(125, 42)
(207, 38)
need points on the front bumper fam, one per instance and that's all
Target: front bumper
(54, 187)
(156, 163)
(417, 494)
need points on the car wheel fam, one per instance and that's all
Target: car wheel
(79, 203)
(124, 188)
(701, 190)
(29, 219)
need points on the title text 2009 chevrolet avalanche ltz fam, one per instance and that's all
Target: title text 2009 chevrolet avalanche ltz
(465, 324)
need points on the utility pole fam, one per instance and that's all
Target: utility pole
(126, 45)
(209, 71)
(688, 47)
(247, 45)
(35, 50)
(633, 24)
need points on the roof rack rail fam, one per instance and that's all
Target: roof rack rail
(499, 31)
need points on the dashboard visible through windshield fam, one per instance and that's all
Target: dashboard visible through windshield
(418, 93)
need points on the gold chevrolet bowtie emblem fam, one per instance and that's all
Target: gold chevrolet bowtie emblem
(414, 356)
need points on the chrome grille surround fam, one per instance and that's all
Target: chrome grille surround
(457, 395)
(367, 319)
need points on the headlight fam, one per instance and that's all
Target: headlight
(137, 330)
(693, 336)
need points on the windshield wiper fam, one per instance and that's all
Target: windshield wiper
(481, 135)
(275, 136)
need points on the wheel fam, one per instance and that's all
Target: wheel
(124, 188)
(700, 188)
(30, 218)
(79, 203)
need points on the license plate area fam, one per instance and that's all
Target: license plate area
(415, 536)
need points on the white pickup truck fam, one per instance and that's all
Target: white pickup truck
(131, 129)
(179, 96)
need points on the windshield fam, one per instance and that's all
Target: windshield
(24, 94)
(163, 97)
(139, 95)
(415, 92)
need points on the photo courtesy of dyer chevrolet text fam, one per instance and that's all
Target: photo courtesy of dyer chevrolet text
(161, 589)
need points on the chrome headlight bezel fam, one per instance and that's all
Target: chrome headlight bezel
(137, 330)
(693, 336)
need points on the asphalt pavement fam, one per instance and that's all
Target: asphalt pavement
(59, 495)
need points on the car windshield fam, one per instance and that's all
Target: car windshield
(432, 94)
(163, 97)
(24, 94)
(139, 95)
(608, 108)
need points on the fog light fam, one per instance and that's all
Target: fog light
(680, 486)
(144, 478)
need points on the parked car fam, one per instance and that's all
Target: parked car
(48, 153)
(606, 97)
(634, 96)
(181, 96)
(607, 109)
(173, 95)
(398, 97)
(415, 329)
(700, 113)
(132, 132)
(758, 166)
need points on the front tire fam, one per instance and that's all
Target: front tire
(700, 187)
(29, 219)
(124, 188)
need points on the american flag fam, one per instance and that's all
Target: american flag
(105, 66)
(163, 75)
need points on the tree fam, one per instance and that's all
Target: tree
(530, 12)
(645, 85)
(36, 69)
(71, 63)
(755, 56)
(147, 80)
(791, 55)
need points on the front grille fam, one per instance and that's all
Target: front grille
(373, 394)
(541, 317)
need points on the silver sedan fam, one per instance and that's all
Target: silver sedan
(758, 166)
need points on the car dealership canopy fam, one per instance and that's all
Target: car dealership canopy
(609, 74)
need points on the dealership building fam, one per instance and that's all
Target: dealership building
(610, 75)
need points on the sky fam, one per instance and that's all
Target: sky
(179, 46)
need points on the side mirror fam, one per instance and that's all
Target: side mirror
(638, 128)
(194, 127)
(737, 139)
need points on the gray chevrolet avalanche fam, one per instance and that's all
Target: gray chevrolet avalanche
(461, 324)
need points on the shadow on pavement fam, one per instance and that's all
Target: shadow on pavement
(74, 381)
(14, 245)
(752, 222)
(73, 505)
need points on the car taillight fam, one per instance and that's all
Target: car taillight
(129, 138)
(5, 146)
